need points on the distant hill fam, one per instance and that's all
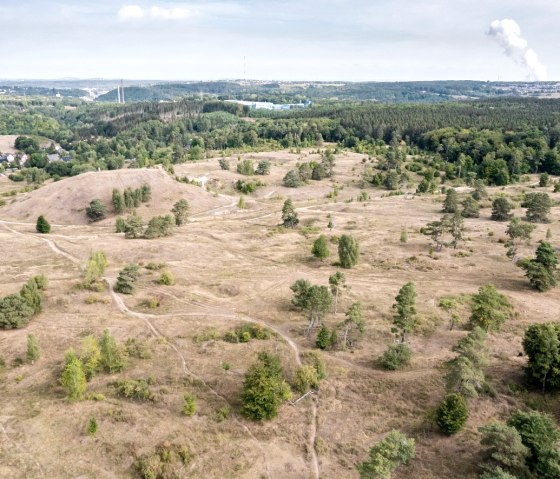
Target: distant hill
(384, 92)
(41, 91)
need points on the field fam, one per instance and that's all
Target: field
(233, 266)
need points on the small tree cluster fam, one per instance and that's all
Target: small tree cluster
(396, 356)
(311, 373)
(386, 456)
(518, 233)
(525, 447)
(127, 278)
(16, 310)
(449, 224)
(263, 168)
(130, 199)
(264, 388)
(168, 461)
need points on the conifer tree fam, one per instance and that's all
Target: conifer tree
(73, 377)
(43, 225)
(404, 320)
(320, 248)
(33, 349)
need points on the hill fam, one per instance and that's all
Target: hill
(64, 201)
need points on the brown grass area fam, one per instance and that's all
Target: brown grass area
(231, 264)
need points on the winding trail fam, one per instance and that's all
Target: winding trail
(148, 320)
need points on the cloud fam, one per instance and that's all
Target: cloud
(136, 12)
(131, 12)
(175, 13)
(508, 35)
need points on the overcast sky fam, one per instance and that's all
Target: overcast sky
(373, 40)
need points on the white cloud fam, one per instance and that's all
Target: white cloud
(175, 13)
(131, 12)
(136, 12)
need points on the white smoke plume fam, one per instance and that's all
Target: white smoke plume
(508, 35)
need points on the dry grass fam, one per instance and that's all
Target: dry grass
(229, 264)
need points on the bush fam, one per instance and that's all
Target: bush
(224, 164)
(387, 455)
(246, 332)
(92, 426)
(323, 340)
(245, 167)
(33, 349)
(320, 248)
(167, 462)
(306, 379)
(42, 225)
(96, 211)
(397, 356)
(160, 226)
(112, 359)
(263, 168)
(181, 212)
(127, 278)
(134, 389)
(166, 278)
(292, 179)
(120, 225)
(16, 310)
(73, 377)
(489, 309)
(452, 414)
(189, 404)
(501, 208)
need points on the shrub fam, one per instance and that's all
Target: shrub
(168, 461)
(92, 426)
(120, 225)
(292, 179)
(452, 414)
(489, 309)
(306, 378)
(134, 389)
(160, 226)
(263, 168)
(245, 167)
(96, 211)
(320, 248)
(189, 404)
(224, 164)
(501, 208)
(222, 414)
(246, 332)
(181, 212)
(323, 338)
(33, 349)
(42, 225)
(397, 356)
(95, 267)
(289, 215)
(127, 278)
(386, 456)
(166, 278)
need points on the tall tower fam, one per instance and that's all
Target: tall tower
(118, 93)
(122, 90)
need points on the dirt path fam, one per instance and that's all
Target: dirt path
(148, 318)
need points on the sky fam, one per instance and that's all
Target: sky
(353, 40)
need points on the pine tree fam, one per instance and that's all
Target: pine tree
(33, 349)
(451, 202)
(320, 248)
(489, 309)
(43, 225)
(118, 202)
(541, 270)
(501, 208)
(404, 320)
(289, 215)
(452, 414)
(354, 321)
(323, 338)
(348, 251)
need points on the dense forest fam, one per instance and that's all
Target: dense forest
(494, 140)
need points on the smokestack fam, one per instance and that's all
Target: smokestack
(508, 35)
(122, 90)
